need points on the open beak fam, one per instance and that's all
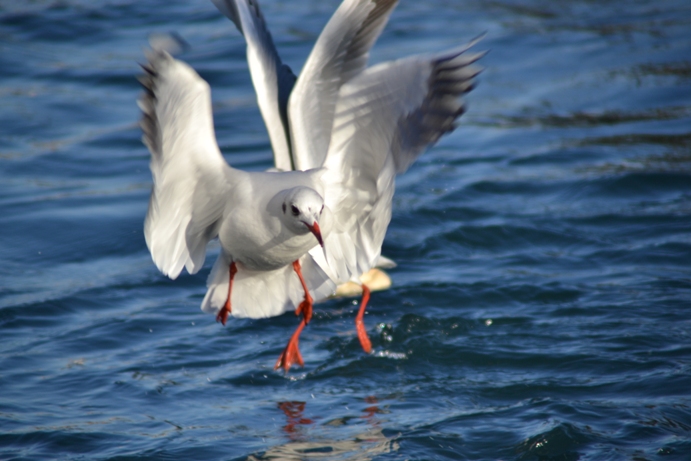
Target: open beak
(314, 228)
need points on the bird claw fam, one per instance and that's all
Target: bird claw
(222, 315)
(289, 356)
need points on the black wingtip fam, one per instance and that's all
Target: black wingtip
(148, 69)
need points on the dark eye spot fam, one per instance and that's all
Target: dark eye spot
(284, 208)
(295, 210)
(322, 209)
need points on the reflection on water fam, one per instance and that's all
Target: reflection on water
(293, 412)
(363, 446)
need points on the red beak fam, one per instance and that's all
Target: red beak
(317, 232)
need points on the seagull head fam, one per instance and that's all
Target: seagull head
(302, 208)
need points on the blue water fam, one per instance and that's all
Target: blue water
(540, 310)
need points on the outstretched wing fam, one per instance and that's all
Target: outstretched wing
(385, 117)
(273, 80)
(191, 178)
(340, 53)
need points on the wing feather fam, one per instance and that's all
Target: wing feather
(191, 178)
(340, 53)
(273, 81)
(384, 119)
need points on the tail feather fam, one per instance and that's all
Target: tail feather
(264, 294)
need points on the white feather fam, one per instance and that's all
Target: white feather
(260, 294)
(359, 127)
(272, 80)
(340, 53)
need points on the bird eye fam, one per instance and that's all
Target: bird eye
(295, 210)
(322, 209)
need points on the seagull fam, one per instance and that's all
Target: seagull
(340, 133)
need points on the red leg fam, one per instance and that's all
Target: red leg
(305, 307)
(360, 324)
(222, 315)
(294, 414)
(291, 354)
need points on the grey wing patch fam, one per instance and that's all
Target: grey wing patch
(357, 50)
(230, 10)
(349, 60)
(272, 79)
(286, 82)
(452, 76)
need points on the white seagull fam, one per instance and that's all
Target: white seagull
(289, 237)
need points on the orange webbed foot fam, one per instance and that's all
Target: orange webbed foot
(291, 354)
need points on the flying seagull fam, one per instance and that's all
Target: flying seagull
(288, 237)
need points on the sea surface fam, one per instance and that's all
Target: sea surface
(540, 309)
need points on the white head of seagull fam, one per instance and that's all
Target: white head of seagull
(301, 211)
